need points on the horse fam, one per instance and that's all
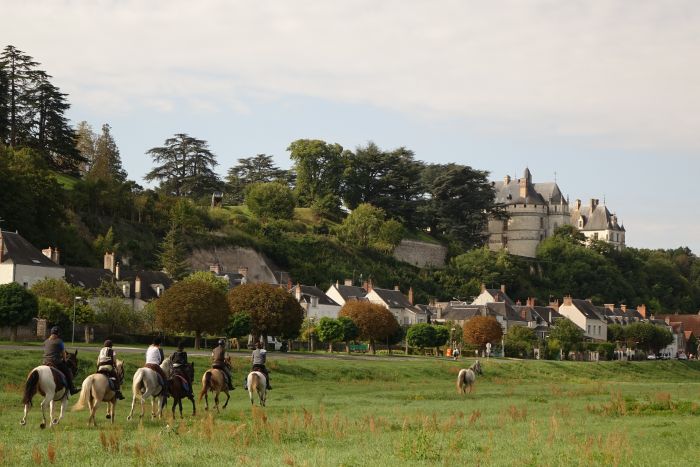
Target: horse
(177, 388)
(96, 389)
(214, 380)
(257, 382)
(44, 380)
(467, 376)
(146, 384)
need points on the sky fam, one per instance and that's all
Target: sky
(602, 96)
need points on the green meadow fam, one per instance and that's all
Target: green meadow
(382, 412)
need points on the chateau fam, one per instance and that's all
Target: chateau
(536, 210)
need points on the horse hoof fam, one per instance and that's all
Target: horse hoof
(22, 422)
(54, 421)
(42, 426)
(108, 416)
(129, 417)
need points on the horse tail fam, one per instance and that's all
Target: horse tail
(207, 384)
(459, 380)
(30, 387)
(253, 381)
(85, 395)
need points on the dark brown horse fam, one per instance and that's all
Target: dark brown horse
(176, 386)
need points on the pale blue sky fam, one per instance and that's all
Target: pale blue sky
(604, 93)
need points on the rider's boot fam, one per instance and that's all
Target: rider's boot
(119, 395)
(230, 384)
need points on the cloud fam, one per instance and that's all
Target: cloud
(621, 73)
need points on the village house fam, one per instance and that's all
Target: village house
(23, 263)
(400, 305)
(342, 293)
(539, 318)
(586, 316)
(314, 301)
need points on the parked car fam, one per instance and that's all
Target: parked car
(682, 356)
(651, 356)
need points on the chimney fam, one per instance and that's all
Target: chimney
(297, 292)
(109, 261)
(348, 282)
(531, 302)
(554, 304)
(578, 204)
(503, 288)
(642, 310)
(117, 271)
(506, 179)
(137, 287)
(56, 257)
(289, 284)
(567, 300)
(396, 288)
(609, 306)
(2, 248)
(126, 290)
(523, 187)
(370, 286)
(594, 203)
(243, 271)
(410, 295)
(365, 285)
(48, 252)
(215, 268)
(483, 287)
(623, 307)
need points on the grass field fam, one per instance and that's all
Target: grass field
(402, 412)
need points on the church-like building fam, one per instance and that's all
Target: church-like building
(536, 210)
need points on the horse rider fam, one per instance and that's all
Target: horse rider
(180, 363)
(154, 357)
(107, 365)
(259, 358)
(55, 356)
(218, 357)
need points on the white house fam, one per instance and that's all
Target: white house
(401, 306)
(341, 293)
(586, 316)
(315, 303)
(23, 263)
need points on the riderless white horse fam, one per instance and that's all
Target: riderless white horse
(257, 382)
(96, 389)
(467, 376)
(147, 384)
(41, 379)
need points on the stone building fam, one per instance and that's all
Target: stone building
(597, 223)
(535, 210)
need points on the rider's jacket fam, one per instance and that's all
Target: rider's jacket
(53, 350)
(259, 357)
(106, 356)
(218, 355)
(154, 355)
(179, 358)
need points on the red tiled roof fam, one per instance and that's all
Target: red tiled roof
(690, 322)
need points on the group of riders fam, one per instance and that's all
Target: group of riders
(54, 356)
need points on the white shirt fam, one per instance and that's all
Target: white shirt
(153, 355)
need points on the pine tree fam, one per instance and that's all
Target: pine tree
(85, 143)
(173, 256)
(18, 68)
(186, 166)
(106, 163)
(257, 169)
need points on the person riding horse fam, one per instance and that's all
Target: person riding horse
(54, 356)
(259, 358)
(107, 364)
(218, 357)
(180, 365)
(154, 357)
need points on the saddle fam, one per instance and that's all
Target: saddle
(59, 378)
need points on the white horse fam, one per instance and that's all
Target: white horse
(96, 389)
(146, 384)
(41, 379)
(257, 383)
(467, 376)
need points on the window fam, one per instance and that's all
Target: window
(595, 236)
(541, 222)
(589, 329)
(580, 223)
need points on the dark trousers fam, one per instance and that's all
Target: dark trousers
(111, 375)
(65, 369)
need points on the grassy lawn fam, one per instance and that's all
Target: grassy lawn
(401, 412)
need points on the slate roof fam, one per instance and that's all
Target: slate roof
(460, 313)
(308, 291)
(20, 251)
(589, 310)
(505, 310)
(690, 322)
(88, 278)
(394, 298)
(597, 218)
(349, 292)
(499, 296)
(148, 280)
(537, 193)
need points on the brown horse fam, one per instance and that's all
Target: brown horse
(96, 389)
(176, 387)
(43, 379)
(214, 380)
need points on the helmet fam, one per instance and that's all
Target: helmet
(108, 343)
(222, 342)
(180, 345)
(55, 330)
(259, 345)
(157, 340)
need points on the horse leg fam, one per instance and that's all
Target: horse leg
(206, 400)
(228, 396)
(64, 404)
(92, 406)
(179, 403)
(43, 409)
(194, 407)
(216, 402)
(111, 404)
(26, 411)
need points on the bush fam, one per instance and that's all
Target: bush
(270, 201)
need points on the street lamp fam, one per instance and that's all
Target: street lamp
(75, 299)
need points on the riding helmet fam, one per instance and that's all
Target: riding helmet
(55, 330)
(222, 342)
(181, 346)
(108, 343)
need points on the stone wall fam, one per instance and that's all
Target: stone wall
(421, 254)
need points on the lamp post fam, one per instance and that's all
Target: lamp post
(75, 299)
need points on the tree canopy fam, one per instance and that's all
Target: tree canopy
(374, 322)
(270, 201)
(481, 330)
(17, 306)
(318, 166)
(273, 311)
(568, 334)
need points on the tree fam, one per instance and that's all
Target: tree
(85, 140)
(106, 162)
(58, 290)
(350, 331)
(330, 331)
(173, 256)
(318, 166)
(192, 306)
(273, 311)
(568, 334)
(442, 335)
(648, 336)
(421, 335)
(374, 322)
(257, 169)
(106, 243)
(616, 333)
(184, 166)
(481, 330)
(270, 201)
(361, 228)
(462, 199)
(114, 312)
(219, 283)
(519, 341)
(17, 307)
(239, 325)
(53, 312)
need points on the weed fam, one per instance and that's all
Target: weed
(474, 417)
(51, 453)
(36, 456)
